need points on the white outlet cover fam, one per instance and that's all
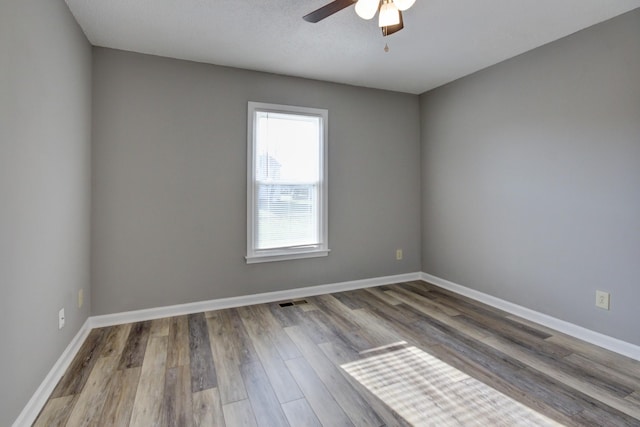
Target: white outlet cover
(602, 299)
(61, 319)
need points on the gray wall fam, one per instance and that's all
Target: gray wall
(45, 118)
(531, 178)
(169, 182)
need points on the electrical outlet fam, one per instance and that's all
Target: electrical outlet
(602, 299)
(61, 318)
(398, 254)
(80, 298)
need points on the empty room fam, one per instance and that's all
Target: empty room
(320, 213)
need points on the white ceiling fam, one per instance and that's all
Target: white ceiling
(442, 40)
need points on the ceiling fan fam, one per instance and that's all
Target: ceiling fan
(389, 19)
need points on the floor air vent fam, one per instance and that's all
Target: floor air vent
(293, 302)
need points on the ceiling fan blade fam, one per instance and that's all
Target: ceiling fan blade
(328, 10)
(387, 31)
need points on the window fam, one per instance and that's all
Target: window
(287, 182)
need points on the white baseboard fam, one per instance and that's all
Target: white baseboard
(40, 397)
(218, 304)
(596, 338)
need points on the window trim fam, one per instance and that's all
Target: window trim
(254, 255)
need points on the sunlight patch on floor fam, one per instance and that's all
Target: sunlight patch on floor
(425, 391)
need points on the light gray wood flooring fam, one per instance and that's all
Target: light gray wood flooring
(405, 354)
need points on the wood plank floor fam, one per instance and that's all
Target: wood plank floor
(398, 355)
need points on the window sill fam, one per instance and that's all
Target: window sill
(280, 256)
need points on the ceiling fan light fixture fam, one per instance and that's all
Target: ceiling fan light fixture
(389, 14)
(366, 9)
(403, 4)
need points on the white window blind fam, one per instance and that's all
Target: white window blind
(287, 183)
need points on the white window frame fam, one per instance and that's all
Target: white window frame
(280, 254)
